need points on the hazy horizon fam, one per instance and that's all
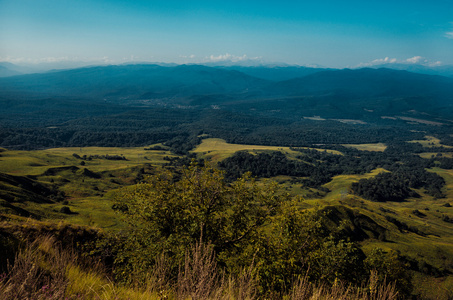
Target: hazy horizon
(326, 33)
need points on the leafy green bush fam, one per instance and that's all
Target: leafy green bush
(247, 223)
(168, 216)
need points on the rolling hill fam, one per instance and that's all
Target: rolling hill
(7, 69)
(201, 85)
(119, 83)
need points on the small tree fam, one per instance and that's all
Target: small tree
(167, 215)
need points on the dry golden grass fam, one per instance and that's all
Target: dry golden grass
(433, 154)
(421, 121)
(429, 142)
(44, 270)
(378, 147)
(305, 290)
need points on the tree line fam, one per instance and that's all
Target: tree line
(407, 171)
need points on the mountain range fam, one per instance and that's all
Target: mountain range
(342, 93)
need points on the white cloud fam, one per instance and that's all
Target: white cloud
(379, 61)
(227, 56)
(52, 60)
(12, 59)
(449, 34)
(386, 60)
(415, 60)
(192, 56)
(435, 64)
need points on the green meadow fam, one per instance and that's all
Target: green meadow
(217, 150)
(90, 184)
(38, 161)
(379, 147)
(430, 141)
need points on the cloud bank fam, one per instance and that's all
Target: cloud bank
(225, 57)
(415, 60)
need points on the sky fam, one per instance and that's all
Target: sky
(323, 32)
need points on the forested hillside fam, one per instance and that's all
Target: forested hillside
(176, 182)
(135, 105)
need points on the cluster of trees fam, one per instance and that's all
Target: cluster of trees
(269, 164)
(302, 133)
(407, 171)
(182, 144)
(383, 187)
(124, 126)
(38, 138)
(91, 157)
(248, 225)
(445, 162)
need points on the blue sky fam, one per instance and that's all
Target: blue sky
(328, 33)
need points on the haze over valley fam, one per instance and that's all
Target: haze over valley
(237, 150)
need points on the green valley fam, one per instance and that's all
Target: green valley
(193, 182)
(79, 186)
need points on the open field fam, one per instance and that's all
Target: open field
(217, 149)
(339, 186)
(430, 141)
(421, 121)
(434, 154)
(378, 147)
(38, 161)
(86, 183)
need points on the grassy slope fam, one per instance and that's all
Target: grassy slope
(91, 198)
(437, 239)
(37, 162)
(88, 197)
(432, 245)
(430, 141)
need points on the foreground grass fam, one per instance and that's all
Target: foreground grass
(44, 270)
